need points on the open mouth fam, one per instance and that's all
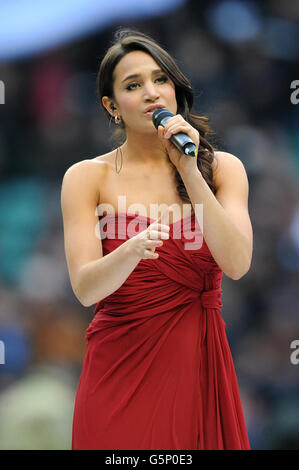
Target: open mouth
(150, 113)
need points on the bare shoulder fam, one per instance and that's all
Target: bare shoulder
(89, 167)
(87, 173)
(227, 166)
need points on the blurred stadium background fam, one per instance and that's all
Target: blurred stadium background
(240, 57)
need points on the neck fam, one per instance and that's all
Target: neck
(145, 150)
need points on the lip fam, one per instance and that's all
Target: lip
(150, 109)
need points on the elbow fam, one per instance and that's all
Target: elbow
(80, 295)
(236, 275)
(81, 299)
(85, 296)
(84, 303)
(236, 272)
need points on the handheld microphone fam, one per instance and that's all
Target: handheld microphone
(181, 140)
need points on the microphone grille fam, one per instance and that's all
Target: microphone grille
(159, 114)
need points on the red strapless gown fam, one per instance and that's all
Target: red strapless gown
(158, 371)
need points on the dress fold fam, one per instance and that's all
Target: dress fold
(158, 371)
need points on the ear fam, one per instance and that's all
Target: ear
(108, 104)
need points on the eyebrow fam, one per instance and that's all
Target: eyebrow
(137, 75)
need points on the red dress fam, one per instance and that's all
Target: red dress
(158, 371)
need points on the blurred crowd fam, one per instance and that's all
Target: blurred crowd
(241, 60)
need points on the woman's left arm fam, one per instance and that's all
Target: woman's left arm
(226, 223)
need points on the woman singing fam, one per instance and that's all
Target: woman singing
(158, 371)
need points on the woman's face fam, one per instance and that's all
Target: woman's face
(133, 95)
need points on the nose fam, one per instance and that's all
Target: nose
(151, 91)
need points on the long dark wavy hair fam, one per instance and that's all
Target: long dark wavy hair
(127, 40)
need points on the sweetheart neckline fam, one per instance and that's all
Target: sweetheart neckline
(147, 217)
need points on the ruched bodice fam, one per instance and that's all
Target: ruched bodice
(158, 371)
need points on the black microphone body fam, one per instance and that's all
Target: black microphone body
(181, 140)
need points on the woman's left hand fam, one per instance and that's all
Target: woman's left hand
(174, 125)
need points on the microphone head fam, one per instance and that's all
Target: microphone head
(159, 114)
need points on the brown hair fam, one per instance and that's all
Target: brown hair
(128, 40)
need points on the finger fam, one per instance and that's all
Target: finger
(157, 226)
(161, 135)
(153, 244)
(156, 234)
(164, 216)
(150, 254)
(157, 231)
(164, 227)
(175, 129)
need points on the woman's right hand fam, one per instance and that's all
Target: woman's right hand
(144, 243)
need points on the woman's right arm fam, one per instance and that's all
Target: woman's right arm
(92, 275)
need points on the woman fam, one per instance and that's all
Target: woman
(157, 371)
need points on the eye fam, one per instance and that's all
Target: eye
(163, 78)
(129, 86)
